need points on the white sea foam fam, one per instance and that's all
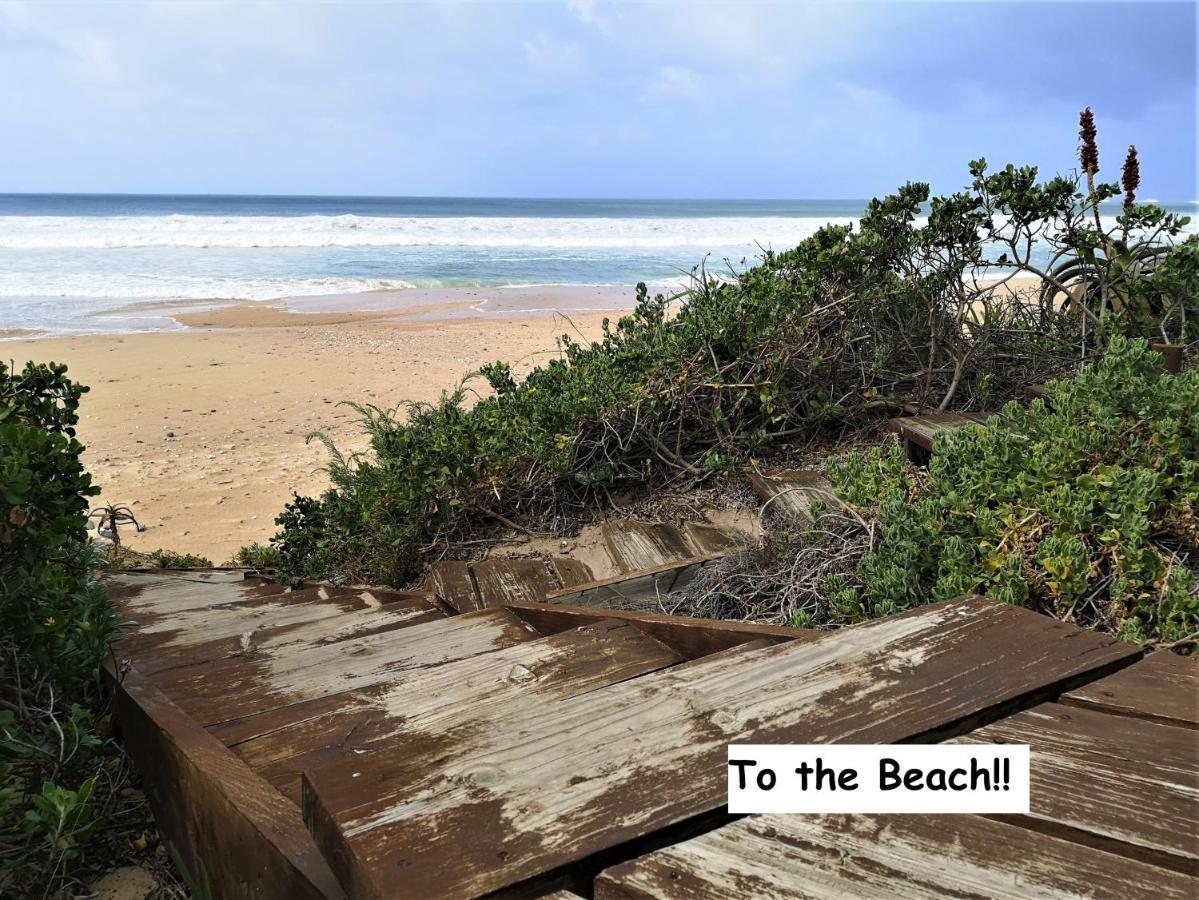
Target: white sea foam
(103, 232)
(134, 287)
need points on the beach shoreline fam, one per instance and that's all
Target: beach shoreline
(202, 430)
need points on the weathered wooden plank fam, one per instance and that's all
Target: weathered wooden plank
(1162, 687)
(642, 590)
(882, 857)
(502, 581)
(451, 703)
(571, 572)
(248, 838)
(451, 581)
(275, 676)
(249, 628)
(691, 638)
(711, 539)
(1132, 784)
(918, 432)
(142, 595)
(794, 492)
(556, 784)
(637, 545)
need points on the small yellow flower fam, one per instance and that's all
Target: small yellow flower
(532, 390)
(50, 622)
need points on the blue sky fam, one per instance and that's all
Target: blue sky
(585, 99)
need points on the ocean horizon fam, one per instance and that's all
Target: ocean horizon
(80, 263)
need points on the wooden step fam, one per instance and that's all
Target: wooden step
(309, 617)
(289, 672)
(903, 857)
(1141, 780)
(635, 546)
(453, 701)
(558, 783)
(638, 590)
(483, 584)
(793, 492)
(918, 432)
(142, 595)
(1163, 687)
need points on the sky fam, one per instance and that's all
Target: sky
(834, 99)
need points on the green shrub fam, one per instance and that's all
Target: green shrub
(1084, 508)
(853, 322)
(169, 559)
(58, 624)
(257, 556)
(52, 608)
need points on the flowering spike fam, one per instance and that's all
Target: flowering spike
(1131, 179)
(1088, 153)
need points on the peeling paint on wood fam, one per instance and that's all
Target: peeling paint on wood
(453, 701)
(1121, 779)
(793, 493)
(637, 545)
(881, 857)
(228, 689)
(502, 581)
(1163, 687)
(558, 783)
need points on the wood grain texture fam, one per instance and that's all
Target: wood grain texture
(792, 493)
(570, 572)
(1125, 781)
(556, 784)
(691, 638)
(190, 636)
(883, 857)
(922, 429)
(288, 673)
(503, 581)
(635, 545)
(220, 815)
(143, 595)
(450, 704)
(639, 591)
(451, 581)
(711, 539)
(1162, 687)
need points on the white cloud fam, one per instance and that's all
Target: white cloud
(544, 51)
(673, 83)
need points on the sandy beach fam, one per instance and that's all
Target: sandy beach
(201, 431)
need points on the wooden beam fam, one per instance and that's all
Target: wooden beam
(222, 818)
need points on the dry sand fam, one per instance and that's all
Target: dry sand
(202, 431)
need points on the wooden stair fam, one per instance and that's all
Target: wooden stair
(389, 749)
(919, 431)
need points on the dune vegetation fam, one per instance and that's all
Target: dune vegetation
(950, 302)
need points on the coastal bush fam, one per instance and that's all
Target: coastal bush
(1085, 507)
(169, 559)
(58, 624)
(257, 556)
(852, 323)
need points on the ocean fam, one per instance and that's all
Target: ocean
(79, 263)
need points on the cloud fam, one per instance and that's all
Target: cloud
(544, 51)
(673, 83)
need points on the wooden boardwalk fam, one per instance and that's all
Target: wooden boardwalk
(332, 742)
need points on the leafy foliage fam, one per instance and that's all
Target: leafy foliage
(1084, 507)
(850, 323)
(58, 623)
(169, 559)
(52, 608)
(257, 556)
